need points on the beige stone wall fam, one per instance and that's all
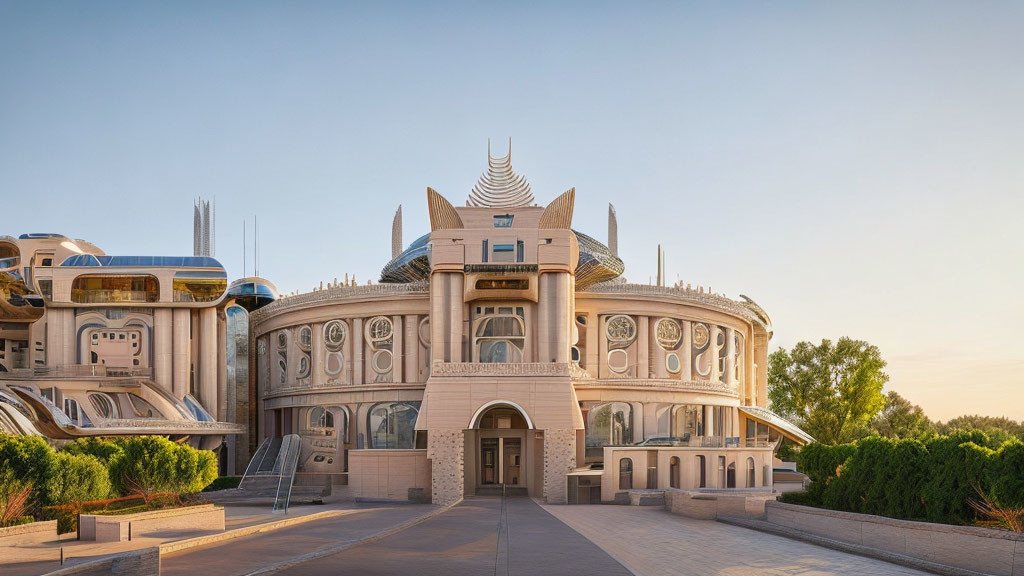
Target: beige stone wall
(388, 474)
(559, 460)
(446, 451)
(972, 548)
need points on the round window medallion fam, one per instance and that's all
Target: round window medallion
(669, 333)
(305, 338)
(382, 361)
(378, 329)
(334, 335)
(335, 363)
(672, 363)
(620, 329)
(618, 361)
(282, 339)
(303, 366)
(700, 335)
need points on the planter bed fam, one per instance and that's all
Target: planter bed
(121, 527)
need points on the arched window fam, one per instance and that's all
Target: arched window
(104, 405)
(688, 421)
(731, 476)
(500, 334)
(751, 474)
(626, 474)
(673, 472)
(320, 418)
(392, 425)
(703, 470)
(608, 425)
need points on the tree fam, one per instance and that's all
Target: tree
(147, 465)
(830, 390)
(998, 428)
(900, 419)
(77, 478)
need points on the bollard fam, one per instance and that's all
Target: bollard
(61, 555)
(129, 531)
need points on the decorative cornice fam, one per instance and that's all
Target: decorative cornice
(337, 293)
(688, 296)
(472, 369)
(558, 214)
(657, 384)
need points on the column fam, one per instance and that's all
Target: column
(656, 354)
(54, 340)
(181, 357)
(70, 334)
(730, 361)
(163, 346)
(412, 348)
(592, 352)
(208, 359)
(559, 460)
(223, 396)
(397, 349)
(686, 351)
(358, 376)
(446, 450)
(761, 361)
(643, 342)
(316, 355)
(456, 306)
(749, 376)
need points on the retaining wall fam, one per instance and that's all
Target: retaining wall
(30, 534)
(116, 528)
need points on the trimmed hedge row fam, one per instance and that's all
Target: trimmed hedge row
(913, 480)
(91, 469)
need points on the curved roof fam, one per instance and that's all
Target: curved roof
(80, 260)
(500, 186)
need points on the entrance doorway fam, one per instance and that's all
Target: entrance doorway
(501, 461)
(503, 452)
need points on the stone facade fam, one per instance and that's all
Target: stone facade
(446, 451)
(559, 460)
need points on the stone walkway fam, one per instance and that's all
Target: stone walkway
(652, 542)
(480, 536)
(244, 555)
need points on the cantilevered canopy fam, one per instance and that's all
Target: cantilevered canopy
(772, 419)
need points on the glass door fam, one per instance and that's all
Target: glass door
(512, 461)
(489, 460)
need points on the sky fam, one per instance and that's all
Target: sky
(856, 168)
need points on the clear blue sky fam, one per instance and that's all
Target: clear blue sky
(856, 168)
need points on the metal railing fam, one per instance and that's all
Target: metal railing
(289, 460)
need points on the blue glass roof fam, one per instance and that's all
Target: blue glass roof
(142, 261)
(38, 235)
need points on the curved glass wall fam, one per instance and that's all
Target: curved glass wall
(97, 289)
(392, 425)
(199, 286)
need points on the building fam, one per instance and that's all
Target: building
(504, 349)
(98, 345)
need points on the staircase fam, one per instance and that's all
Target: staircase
(271, 475)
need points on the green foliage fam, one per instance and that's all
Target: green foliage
(999, 429)
(1006, 476)
(900, 419)
(882, 477)
(15, 496)
(829, 390)
(77, 478)
(820, 462)
(30, 459)
(104, 450)
(150, 464)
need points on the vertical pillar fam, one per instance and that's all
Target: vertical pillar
(592, 352)
(54, 340)
(687, 351)
(709, 420)
(222, 368)
(559, 460)
(656, 354)
(716, 371)
(730, 361)
(446, 450)
(412, 348)
(208, 359)
(397, 349)
(358, 376)
(163, 346)
(316, 355)
(601, 369)
(761, 361)
(70, 335)
(181, 358)
(749, 376)
(438, 319)
(643, 342)
(456, 307)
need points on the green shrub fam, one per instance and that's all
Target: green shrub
(103, 450)
(77, 478)
(882, 477)
(957, 469)
(147, 465)
(1006, 475)
(820, 462)
(29, 459)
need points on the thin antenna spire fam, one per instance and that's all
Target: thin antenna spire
(256, 246)
(245, 267)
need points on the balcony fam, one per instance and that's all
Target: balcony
(490, 369)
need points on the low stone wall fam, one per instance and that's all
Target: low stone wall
(389, 474)
(971, 548)
(29, 534)
(712, 505)
(145, 562)
(116, 528)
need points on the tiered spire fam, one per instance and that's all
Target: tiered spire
(500, 186)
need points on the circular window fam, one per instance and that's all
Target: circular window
(382, 361)
(700, 335)
(620, 329)
(669, 333)
(672, 363)
(305, 338)
(424, 332)
(303, 366)
(334, 335)
(581, 320)
(378, 329)
(335, 363)
(618, 361)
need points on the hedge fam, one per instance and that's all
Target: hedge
(909, 479)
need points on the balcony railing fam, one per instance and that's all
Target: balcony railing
(78, 371)
(473, 369)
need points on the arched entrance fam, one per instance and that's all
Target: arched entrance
(503, 451)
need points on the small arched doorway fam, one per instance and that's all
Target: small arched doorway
(502, 449)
